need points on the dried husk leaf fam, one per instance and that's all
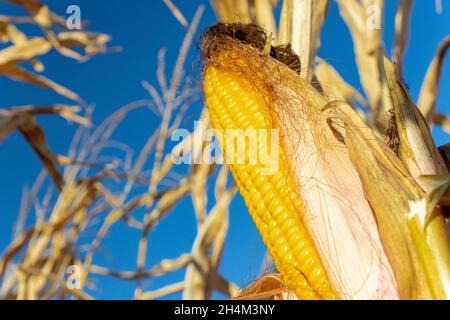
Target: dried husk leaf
(388, 191)
(93, 43)
(418, 250)
(36, 138)
(419, 154)
(302, 41)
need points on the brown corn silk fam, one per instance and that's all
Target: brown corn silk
(328, 192)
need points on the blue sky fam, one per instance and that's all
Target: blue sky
(141, 28)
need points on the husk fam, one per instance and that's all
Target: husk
(421, 157)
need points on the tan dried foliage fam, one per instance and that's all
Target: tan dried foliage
(36, 263)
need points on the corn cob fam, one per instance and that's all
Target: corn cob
(273, 202)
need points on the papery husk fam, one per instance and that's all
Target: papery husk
(420, 156)
(389, 189)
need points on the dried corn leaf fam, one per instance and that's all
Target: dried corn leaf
(39, 11)
(334, 86)
(200, 171)
(8, 123)
(438, 187)
(9, 33)
(20, 74)
(265, 18)
(164, 291)
(442, 120)
(301, 23)
(420, 257)
(21, 118)
(402, 31)
(200, 280)
(199, 191)
(24, 51)
(232, 11)
(218, 244)
(319, 14)
(302, 41)
(43, 17)
(430, 86)
(364, 19)
(177, 13)
(36, 138)
(68, 112)
(285, 26)
(93, 43)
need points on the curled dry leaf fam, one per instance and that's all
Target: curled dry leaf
(21, 118)
(37, 10)
(200, 275)
(24, 51)
(442, 120)
(68, 112)
(33, 133)
(10, 33)
(16, 73)
(430, 86)
(177, 13)
(402, 31)
(93, 43)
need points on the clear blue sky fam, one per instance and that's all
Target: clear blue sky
(111, 81)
